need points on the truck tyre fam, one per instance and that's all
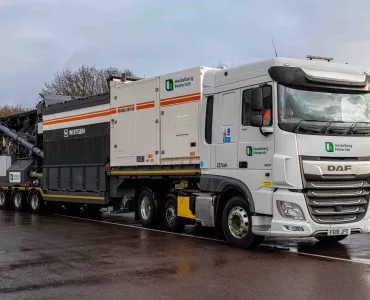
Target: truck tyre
(35, 202)
(331, 239)
(3, 199)
(237, 225)
(171, 221)
(146, 209)
(17, 200)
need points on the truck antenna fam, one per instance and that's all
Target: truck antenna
(273, 44)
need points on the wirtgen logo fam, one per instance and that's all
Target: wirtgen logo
(329, 147)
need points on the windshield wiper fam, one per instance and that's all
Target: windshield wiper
(310, 127)
(337, 129)
(360, 130)
(352, 127)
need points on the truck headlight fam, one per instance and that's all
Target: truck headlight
(289, 210)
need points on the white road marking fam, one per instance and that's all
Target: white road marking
(142, 228)
(357, 261)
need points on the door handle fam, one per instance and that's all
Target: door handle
(243, 164)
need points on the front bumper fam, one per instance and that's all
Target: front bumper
(278, 228)
(277, 225)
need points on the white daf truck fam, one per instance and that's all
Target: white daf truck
(277, 148)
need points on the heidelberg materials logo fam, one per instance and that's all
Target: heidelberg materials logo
(329, 147)
(249, 151)
(178, 83)
(169, 85)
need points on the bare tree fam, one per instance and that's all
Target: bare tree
(85, 81)
(221, 65)
(8, 110)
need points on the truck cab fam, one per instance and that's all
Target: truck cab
(291, 136)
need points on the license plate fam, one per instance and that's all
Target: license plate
(339, 231)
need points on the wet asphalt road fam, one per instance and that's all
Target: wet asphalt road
(58, 257)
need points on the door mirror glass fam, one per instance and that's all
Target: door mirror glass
(257, 99)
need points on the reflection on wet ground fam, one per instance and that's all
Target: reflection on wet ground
(355, 247)
(53, 257)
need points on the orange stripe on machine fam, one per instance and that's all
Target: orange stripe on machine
(78, 117)
(188, 95)
(126, 108)
(180, 99)
(144, 105)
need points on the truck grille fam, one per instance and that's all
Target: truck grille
(337, 202)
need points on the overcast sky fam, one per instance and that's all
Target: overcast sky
(41, 37)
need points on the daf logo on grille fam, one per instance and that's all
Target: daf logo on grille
(339, 168)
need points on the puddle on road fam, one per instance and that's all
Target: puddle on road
(355, 248)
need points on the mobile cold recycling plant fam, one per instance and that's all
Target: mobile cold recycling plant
(277, 148)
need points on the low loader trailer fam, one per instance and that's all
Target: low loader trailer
(276, 148)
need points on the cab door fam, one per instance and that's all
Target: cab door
(255, 148)
(225, 137)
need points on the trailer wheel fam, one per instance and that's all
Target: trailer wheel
(171, 221)
(35, 202)
(146, 209)
(17, 200)
(237, 225)
(3, 199)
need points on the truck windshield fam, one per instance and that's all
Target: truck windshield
(319, 112)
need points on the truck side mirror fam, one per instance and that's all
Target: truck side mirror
(256, 120)
(257, 99)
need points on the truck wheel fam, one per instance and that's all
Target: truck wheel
(237, 225)
(3, 199)
(330, 239)
(171, 221)
(146, 208)
(17, 200)
(35, 202)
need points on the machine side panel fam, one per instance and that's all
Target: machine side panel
(180, 94)
(135, 127)
(76, 146)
